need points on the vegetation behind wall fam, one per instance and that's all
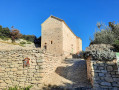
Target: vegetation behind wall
(107, 35)
(6, 33)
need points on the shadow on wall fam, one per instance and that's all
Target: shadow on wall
(77, 73)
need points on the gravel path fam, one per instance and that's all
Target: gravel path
(70, 73)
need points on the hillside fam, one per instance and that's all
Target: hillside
(19, 44)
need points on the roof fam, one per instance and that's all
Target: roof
(64, 23)
(56, 18)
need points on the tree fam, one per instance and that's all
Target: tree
(0, 27)
(30, 38)
(15, 34)
(4, 32)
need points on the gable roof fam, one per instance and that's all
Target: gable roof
(63, 22)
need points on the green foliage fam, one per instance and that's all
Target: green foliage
(4, 32)
(19, 88)
(15, 34)
(107, 35)
(0, 27)
(22, 42)
(28, 37)
(28, 42)
(116, 45)
(103, 37)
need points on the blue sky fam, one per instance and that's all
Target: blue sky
(80, 15)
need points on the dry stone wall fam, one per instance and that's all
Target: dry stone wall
(102, 68)
(13, 73)
(103, 74)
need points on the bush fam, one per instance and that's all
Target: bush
(30, 38)
(4, 32)
(103, 37)
(107, 35)
(22, 42)
(15, 34)
(28, 42)
(102, 52)
(116, 45)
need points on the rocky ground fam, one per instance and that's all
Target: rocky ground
(4, 45)
(71, 73)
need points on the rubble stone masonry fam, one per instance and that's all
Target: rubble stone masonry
(103, 75)
(12, 72)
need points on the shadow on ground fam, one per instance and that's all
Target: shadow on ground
(77, 73)
(54, 87)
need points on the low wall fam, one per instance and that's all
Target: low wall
(13, 73)
(103, 74)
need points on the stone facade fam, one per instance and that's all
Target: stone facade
(103, 75)
(13, 73)
(57, 37)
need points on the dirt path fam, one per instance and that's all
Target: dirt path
(70, 73)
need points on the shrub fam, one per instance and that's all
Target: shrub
(107, 35)
(22, 42)
(15, 34)
(4, 32)
(100, 55)
(116, 45)
(29, 37)
(104, 36)
(28, 42)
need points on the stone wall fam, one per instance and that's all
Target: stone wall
(52, 36)
(71, 43)
(59, 38)
(103, 74)
(13, 73)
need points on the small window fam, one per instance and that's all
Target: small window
(51, 42)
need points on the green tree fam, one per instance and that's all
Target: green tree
(107, 35)
(4, 32)
(30, 38)
(0, 27)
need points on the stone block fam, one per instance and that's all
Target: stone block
(3, 84)
(8, 81)
(19, 72)
(113, 72)
(101, 68)
(109, 68)
(103, 71)
(101, 74)
(115, 84)
(14, 69)
(109, 79)
(105, 83)
(116, 79)
(97, 71)
(95, 67)
(115, 88)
